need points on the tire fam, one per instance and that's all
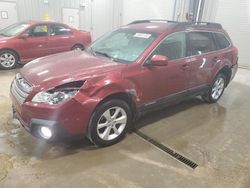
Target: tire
(217, 89)
(8, 59)
(78, 47)
(109, 123)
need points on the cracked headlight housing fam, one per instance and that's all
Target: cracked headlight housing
(54, 97)
(59, 94)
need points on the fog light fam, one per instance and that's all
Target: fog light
(45, 132)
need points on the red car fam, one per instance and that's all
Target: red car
(23, 42)
(100, 91)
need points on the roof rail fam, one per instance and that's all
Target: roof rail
(154, 20)
(207, 24)
(183, 24)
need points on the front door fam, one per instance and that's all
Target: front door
(36, 44)
(167, 82)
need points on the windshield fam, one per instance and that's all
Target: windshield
(14, 29)
(123, 45)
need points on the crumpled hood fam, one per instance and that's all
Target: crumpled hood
(61, 68)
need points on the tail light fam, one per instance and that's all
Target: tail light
(236, 50)
(236, 55)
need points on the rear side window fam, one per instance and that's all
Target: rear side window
(59, 30)
(201, 42)
(221, 41)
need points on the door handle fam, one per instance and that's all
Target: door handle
(185, 66)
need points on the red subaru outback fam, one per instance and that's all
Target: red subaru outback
(98, 92)
(23, 42)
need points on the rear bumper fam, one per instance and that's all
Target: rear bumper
(234, 69)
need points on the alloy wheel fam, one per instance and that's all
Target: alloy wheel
(111, 123)
(218, 88)
(7, 60)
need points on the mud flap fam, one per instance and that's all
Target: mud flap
(14, 113)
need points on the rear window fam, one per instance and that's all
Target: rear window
(201, 42)
(221, 41)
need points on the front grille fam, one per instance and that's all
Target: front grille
(20, 88)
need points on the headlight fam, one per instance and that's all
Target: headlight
(54, 97)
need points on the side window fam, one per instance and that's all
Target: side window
(59, 30)
(174, 47)
(201, 42)
(39, 31)
(221, 41)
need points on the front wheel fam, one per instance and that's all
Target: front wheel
(216, 90)
(8, 59)
(109, 123)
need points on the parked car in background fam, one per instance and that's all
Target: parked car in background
(25, 41)
(137, 68)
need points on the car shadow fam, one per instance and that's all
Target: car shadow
(167, 111)
(27, 145)
(144, 120)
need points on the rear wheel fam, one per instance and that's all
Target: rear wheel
(216, 90)
(78, 47)
(8, 59)
(109, 123)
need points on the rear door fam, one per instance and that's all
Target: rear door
(61, 38)
(223, 45)
(36, 44)
(203, 57)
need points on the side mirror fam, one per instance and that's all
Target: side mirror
(24, 36)
(159, 60)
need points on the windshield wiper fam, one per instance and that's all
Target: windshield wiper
(92, 51)
(4, 34)
(107, 55)
(103, 54)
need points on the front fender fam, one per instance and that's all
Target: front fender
(109, 86)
